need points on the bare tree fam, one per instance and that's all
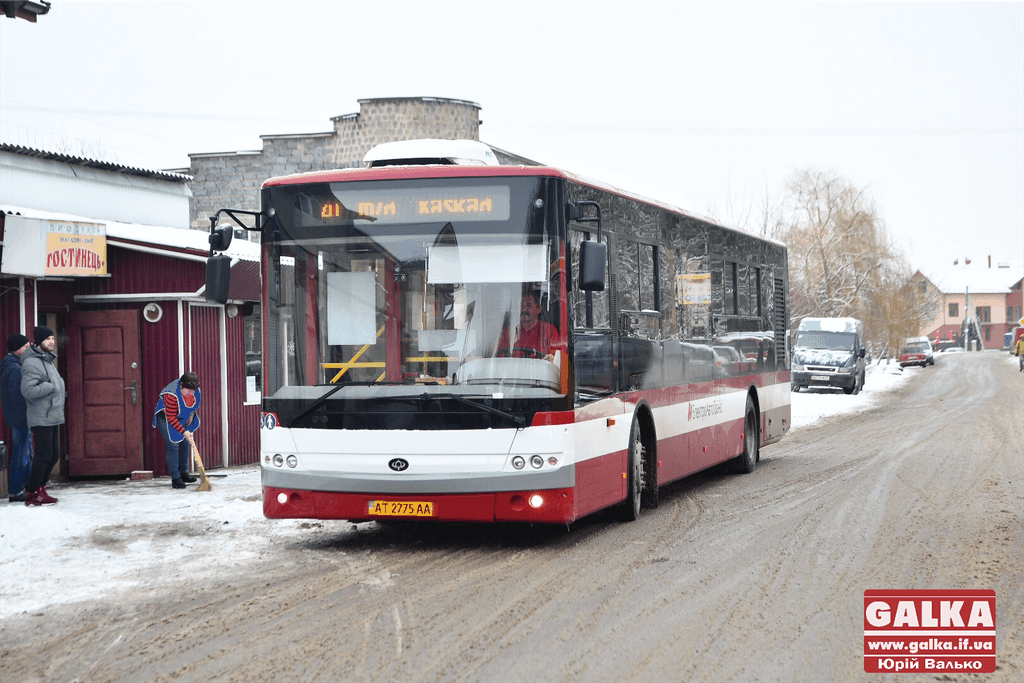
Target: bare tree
(85, 149)
(901, 306)
(842, 260)
(772, 219)
(765, 218)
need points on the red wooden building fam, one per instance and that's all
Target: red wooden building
(102, 254)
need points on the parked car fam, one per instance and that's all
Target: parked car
(917, 351)
(732, 361)
(701, 362)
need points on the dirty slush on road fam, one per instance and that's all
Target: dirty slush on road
(757, 577)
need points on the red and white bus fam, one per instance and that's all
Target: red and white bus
(474, 342)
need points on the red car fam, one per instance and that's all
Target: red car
(915, 354)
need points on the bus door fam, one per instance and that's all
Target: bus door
(636, 279)
(594, 342)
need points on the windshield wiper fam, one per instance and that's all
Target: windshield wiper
(517, 420)
(315, 404)
(363, 383)
(335, 389)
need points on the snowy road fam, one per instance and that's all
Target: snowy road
(918, 482)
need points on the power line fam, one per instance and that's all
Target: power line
(70, 112)
(740, 130)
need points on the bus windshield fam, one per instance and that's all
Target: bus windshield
(412, 287)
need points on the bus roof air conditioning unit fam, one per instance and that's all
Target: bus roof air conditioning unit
(431, 152)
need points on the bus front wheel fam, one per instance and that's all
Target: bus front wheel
(634, 474)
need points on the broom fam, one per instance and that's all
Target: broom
(204, 483)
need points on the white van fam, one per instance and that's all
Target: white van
(829, 352)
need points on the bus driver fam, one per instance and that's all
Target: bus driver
(535, 338)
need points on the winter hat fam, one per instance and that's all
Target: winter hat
(16, 341)
(41, 334)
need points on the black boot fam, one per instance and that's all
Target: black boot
(177, 483)
(188, 478)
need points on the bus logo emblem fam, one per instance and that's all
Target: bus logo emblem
(399, 464)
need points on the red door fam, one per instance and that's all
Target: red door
(104, 393)
(205, 349)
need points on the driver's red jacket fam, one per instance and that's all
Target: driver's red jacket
(542, 338)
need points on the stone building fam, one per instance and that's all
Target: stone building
(232, 179)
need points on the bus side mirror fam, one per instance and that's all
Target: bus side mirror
(220, 238)
(593, 263)
(218, 278)
(863, 352)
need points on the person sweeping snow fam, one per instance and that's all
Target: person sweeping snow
(177, 418)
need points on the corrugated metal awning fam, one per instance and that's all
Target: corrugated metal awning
(92, 163)
(59, 183)
(174, 242)
(180, 243)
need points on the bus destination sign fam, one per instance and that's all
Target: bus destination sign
(416, 205)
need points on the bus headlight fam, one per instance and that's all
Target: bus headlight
(537, 462)
(278, 459)
(519, 462)
(292, 461)
(536, 500)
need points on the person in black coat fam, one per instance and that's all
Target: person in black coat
(15, 416)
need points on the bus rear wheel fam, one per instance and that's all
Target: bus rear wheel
(746, 462)
(634, 474)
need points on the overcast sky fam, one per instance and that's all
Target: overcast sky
(705, 106)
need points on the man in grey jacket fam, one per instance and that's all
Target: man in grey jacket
(44, 392)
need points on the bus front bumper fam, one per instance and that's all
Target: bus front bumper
(552, 506)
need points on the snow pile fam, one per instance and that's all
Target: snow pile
(844, 325)
(106, 538)
(813, 404)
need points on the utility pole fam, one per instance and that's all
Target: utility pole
(968, 319)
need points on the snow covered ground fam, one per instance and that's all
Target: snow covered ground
(814, 404)
(107, 538)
